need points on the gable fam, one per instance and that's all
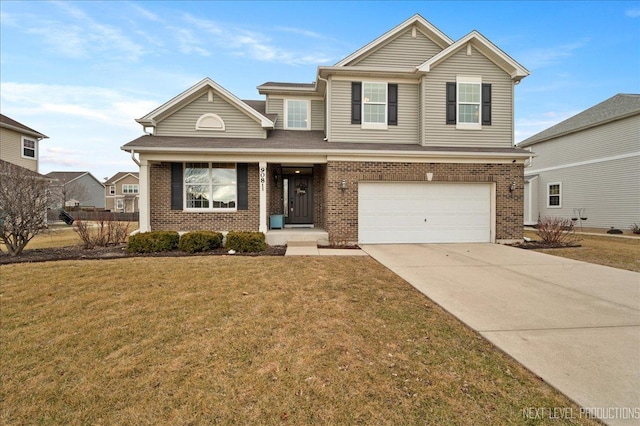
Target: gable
(201, 107)
(408, 49)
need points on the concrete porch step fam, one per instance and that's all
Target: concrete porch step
(303, 243)
(282, 237)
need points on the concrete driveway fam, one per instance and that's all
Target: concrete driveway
(575, 324)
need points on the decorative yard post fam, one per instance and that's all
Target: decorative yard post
(263, 197)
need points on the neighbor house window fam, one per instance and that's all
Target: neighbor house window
(119, 204)
(130, 188)
(112, 189)
(210, 186)
(297, 114)
(374, 105)
(554, 195)
(29, 148)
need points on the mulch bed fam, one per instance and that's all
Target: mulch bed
(532, 245)
(115, 252)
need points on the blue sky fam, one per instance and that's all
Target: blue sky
(81, 72)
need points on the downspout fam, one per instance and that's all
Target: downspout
(134, 158)
(326, 107)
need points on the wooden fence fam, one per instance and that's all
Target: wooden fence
(53, 215)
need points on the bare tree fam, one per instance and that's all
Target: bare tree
(24, 198)
(63, 191)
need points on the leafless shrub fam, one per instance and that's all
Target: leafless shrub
(102, 232)
(556, 231)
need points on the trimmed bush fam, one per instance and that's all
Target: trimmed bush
(246, 242)
(199, 241)
(153, 242)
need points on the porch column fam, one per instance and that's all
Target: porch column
(144, 198)
(263, 197)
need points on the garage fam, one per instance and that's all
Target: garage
(424, 212)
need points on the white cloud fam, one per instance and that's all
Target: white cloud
(633, 13)
(545, 56)
(188, 42)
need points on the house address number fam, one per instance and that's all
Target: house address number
(263, 178)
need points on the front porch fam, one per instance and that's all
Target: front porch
(281, 237)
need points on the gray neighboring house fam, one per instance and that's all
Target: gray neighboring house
(589, 166)
(82, 189)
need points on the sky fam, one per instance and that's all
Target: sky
(81, 72)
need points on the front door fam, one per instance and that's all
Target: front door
(300, 193)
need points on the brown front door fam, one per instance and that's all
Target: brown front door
(300, 199)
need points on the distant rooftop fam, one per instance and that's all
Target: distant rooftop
(10, 123)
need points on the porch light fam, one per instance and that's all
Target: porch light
(343, 185)
(512, 187)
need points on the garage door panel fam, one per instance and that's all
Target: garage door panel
(396, 212)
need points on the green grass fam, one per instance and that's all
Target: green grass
(240, 340)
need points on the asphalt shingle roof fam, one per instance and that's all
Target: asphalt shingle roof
(6, 121)
(617, 107)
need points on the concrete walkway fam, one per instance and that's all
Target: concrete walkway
(575, 324)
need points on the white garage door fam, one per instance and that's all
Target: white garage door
(424, 212)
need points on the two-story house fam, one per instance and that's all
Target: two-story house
(19, 144)
(77, 189)
(122, 191)
(408, 139)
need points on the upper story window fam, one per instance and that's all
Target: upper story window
(29, 148)
(554, 195)
(112, 189)
(211, 186)
(374, 105)
(130, 188)
(469, 103)
(297, 114)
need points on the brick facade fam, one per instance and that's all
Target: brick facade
(336, 210)
(341, 207)
(163, 218)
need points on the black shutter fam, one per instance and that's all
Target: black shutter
(356, 102)
(451, 103)
(242, 176)
(486, 104)
(392, 114)
(176, 186)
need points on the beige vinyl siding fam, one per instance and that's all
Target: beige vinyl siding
(183, 121)
(11, 149)
(317, 115)
(129, 180)
(402, 51)
(616, 138)
(406, 132)
(609, 192)
(438, 133)
(276, 106)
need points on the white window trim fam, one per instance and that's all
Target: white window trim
(212, 129)
(468, 79)
(286, 115)
(119, 204)
(131, 187)
(376, 126)
(112, 190)
(35, 147)
(209, 209)
(559, 206)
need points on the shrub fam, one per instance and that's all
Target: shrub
(556, 230)
(635, 228)
(153, 242)
(104, 232)
(199, 241)
(246, 242)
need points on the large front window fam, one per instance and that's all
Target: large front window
(374, 104)
(297, 114)
(130, 188)
(210, 186)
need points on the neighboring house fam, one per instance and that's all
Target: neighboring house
(78, 189)
(122, 191)
(19, 144)
(407, 140)
(588, 167)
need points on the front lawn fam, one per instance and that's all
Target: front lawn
(617, 252)
(241, 340)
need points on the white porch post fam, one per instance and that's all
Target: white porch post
(263, 197)
(144, 199)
